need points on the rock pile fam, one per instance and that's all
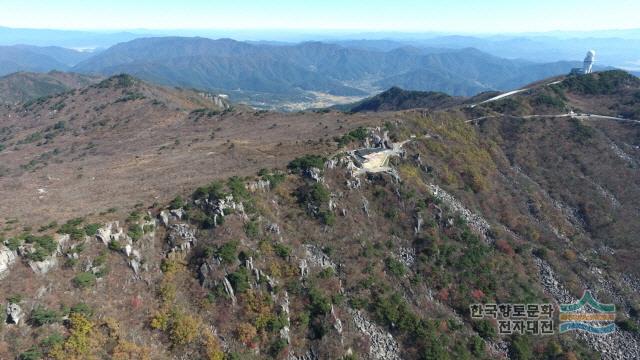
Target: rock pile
(382, 345)
(475, 221)
(315, 257)
(617, 345)
(181, 237)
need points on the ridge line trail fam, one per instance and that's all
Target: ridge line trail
(510, 93)
(580, 116)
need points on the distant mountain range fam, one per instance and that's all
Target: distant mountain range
(38, 59)
(610, 50)
(275, 75)
(229, 65)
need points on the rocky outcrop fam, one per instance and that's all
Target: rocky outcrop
(14, 313)
(229, 290)
(259, 185)
(314, 174)
(382, 345)
(135, 258)
(181, 237)
(337, 323)
(311, 354)
(407, 256)
(365, 206)
(44, 266)
(164, 217)
(218, 208)
(354, 183)
(550, 284)
(177, 214)
(304, 268)
(207, 272)
(274, 228)
(7, 258)
(621, 154)
(315, 257)
(220, 101)
(112, 232)
(284, 307)
(419, 221)
(475, 221)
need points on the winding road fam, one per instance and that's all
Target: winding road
(581, 116)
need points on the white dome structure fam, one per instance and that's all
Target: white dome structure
(587, 67)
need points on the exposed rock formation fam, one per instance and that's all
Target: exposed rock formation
(112, 232)
(219, 207)
(407, 256)
(14, 313)
(44, 266)
(164, 217)
(274, 228)
(259, 185)
(337, 323)
(304, 268)
(7, 258)
(309, 355)
(181, 237)
(382, 345)
(316, 257)
(229, 290)
(418, 228)
(314, 174)
(365, 206)
(284, 332)
(475, 221)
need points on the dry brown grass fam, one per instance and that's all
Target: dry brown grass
(117, 154)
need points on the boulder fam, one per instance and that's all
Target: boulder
(14, 313)
(314, 174)
(178, 213)
(7, 258)
(135, 265)
(164, 217)
(274, 228)
(43, 267)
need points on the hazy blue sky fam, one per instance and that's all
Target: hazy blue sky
(397, 15)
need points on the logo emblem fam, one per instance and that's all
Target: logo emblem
(572, 318)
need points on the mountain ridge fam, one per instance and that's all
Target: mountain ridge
(151, 222)
(23, 86)
(328, 68)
